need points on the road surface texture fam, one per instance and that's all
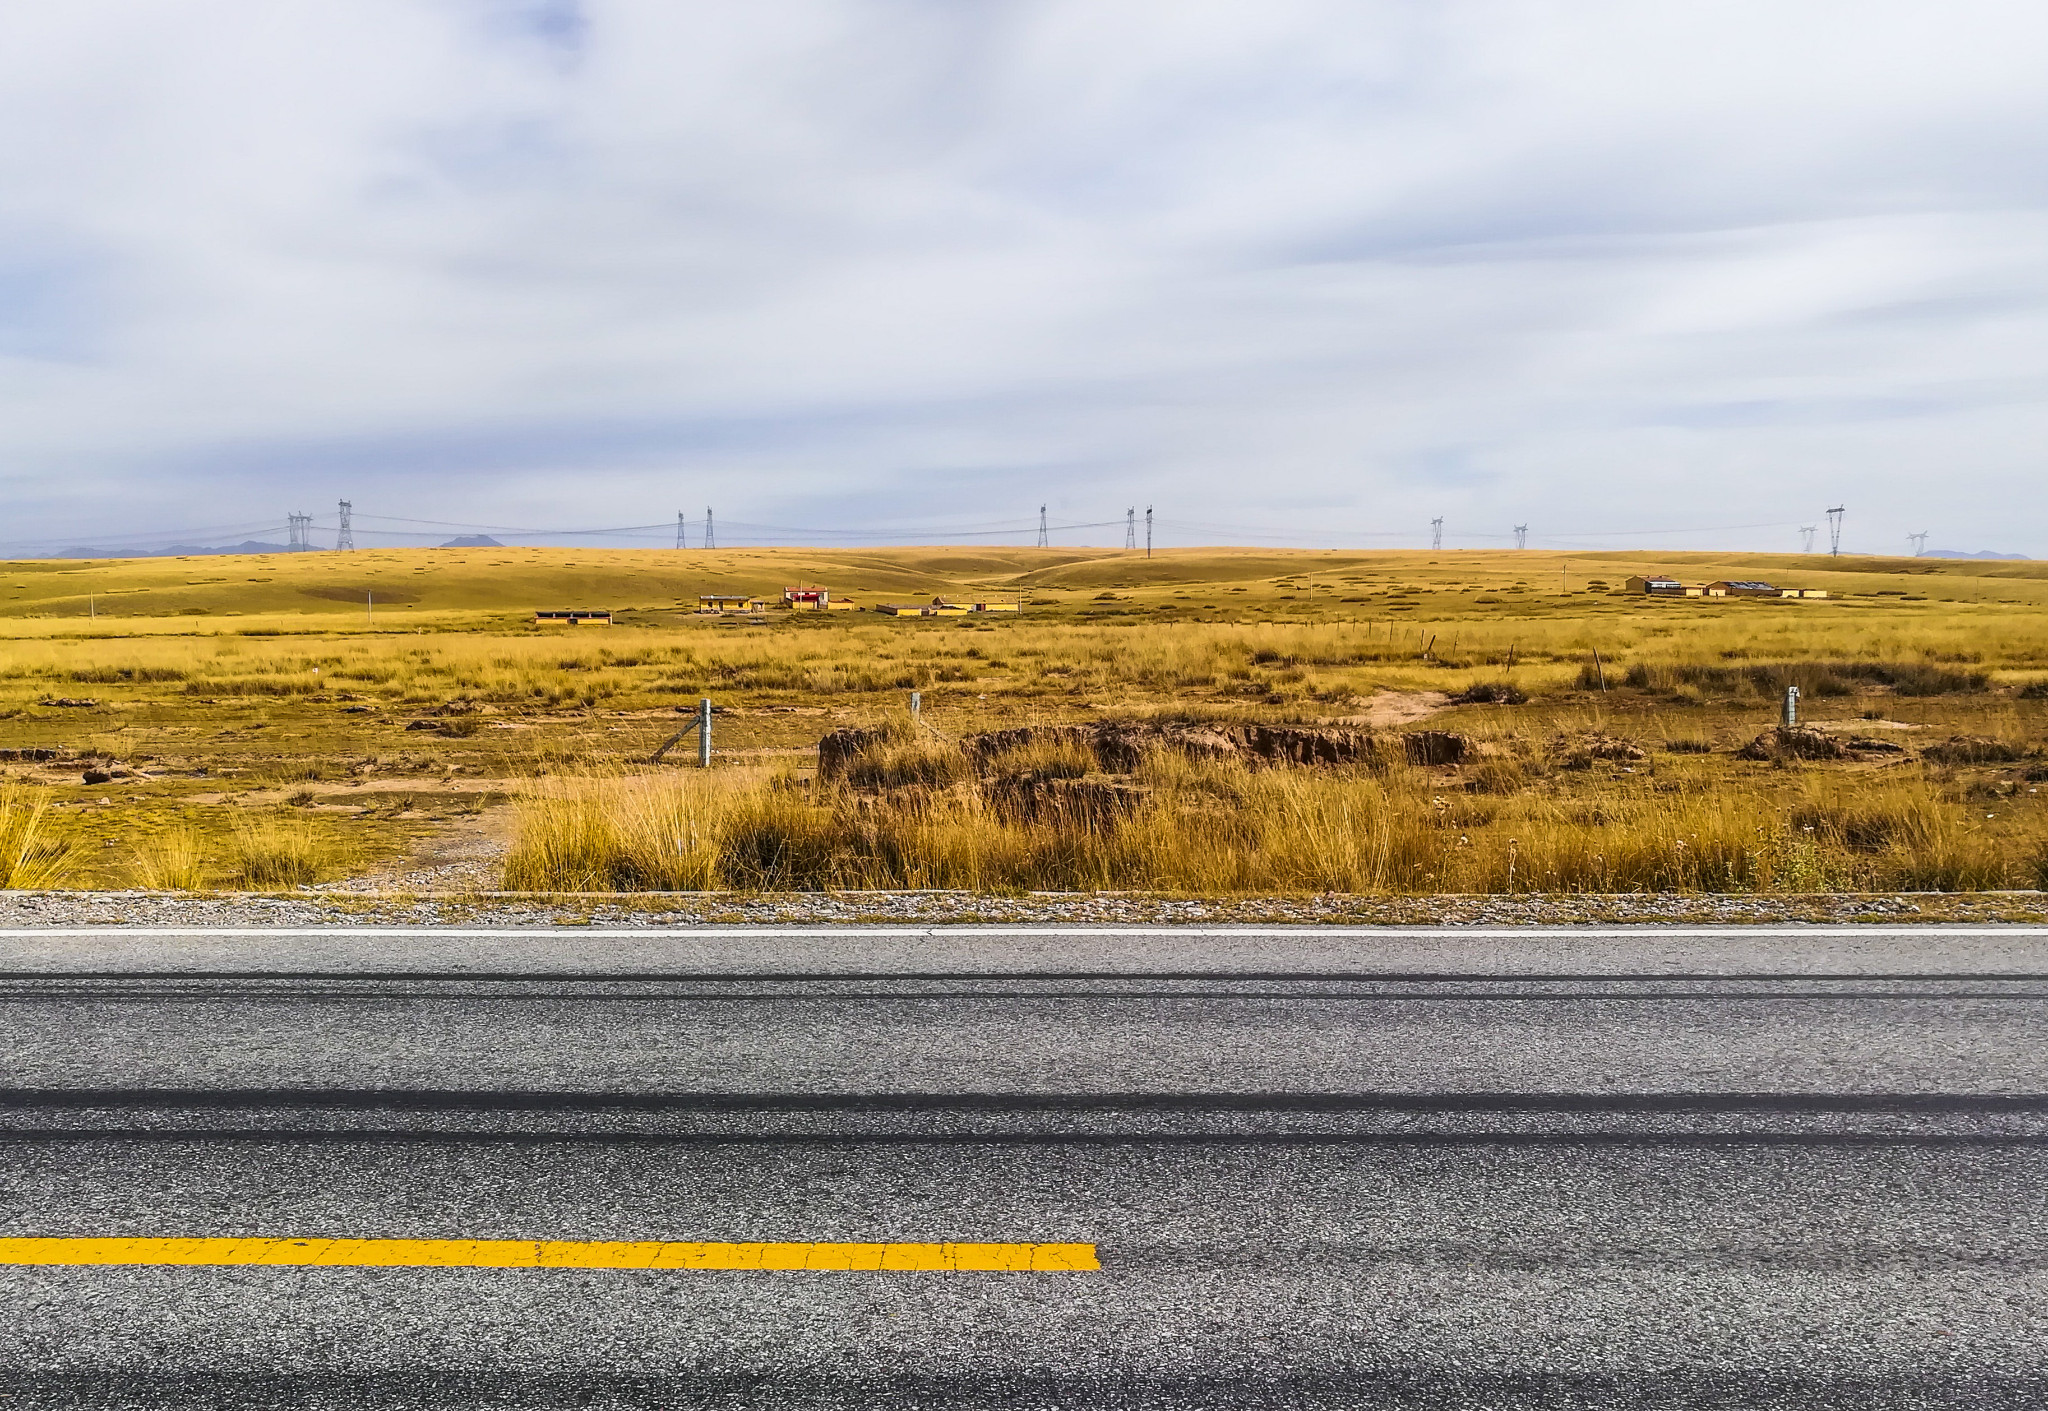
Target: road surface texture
(1316, 1167)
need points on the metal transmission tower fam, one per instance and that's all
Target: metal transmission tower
(682, 542)
(1919, 543)
(1436, 532)
(710, 535)
(345, 536)
(301, 525)
(1043, 541)
(1806, 533)
(1835, 531)
(1148, 531)
(1131, 527)
(1521, 536)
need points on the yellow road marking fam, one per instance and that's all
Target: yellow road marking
(558, 1254)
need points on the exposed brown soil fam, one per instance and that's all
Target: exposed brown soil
(1387, 709)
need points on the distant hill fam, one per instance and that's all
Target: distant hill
(247, 546)
(1980, 554)
(473, 541)
(502, 587)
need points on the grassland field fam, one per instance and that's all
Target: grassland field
(395, 718)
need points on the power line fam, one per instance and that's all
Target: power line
(1016, 529)
(1919, 542)
(1835, 531)
(1233, 533)
(994, 529)
(1689, 529)
(348, 523)
(710, 538)
(508, 528)
(1806, 533)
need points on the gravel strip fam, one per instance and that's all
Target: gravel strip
(142, 909)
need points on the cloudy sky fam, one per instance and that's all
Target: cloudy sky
(1289, 272)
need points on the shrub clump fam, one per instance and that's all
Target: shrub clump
(1793, 742)
(1499, 776)
(1975, 749)
(1491, 693)
(1584, 751)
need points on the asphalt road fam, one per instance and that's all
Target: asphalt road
(1319, 1167)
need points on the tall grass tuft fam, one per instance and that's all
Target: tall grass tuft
(619, 834)
(171, 860)
(30, 857)
(270, 851)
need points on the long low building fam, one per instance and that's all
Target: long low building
(575, 617)
(939, 607)
(1658, 585)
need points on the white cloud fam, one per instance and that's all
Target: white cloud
(1308, 268)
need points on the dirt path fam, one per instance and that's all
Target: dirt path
(462, 855)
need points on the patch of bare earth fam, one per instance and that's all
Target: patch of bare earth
(1388, 709)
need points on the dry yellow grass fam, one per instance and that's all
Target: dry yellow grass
(171, 859)
(621, 833)
(1273, 665)
(239, 685)
(30, 856)
(1209, 828)
(271, 852)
